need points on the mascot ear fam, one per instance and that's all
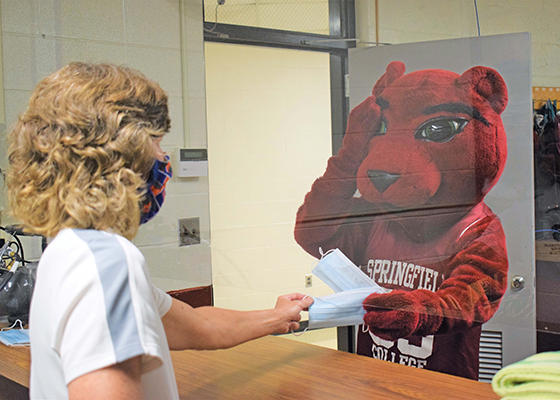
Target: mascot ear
(488, 83)
(394, 71)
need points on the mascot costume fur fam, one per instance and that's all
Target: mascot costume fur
(403, 199)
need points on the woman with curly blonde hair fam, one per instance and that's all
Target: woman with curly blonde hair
(86, 169)
(79, 152)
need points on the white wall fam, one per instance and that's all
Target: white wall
(269, 137)
(404, 21)
(40, 36)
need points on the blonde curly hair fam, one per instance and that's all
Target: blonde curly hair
(80, 153)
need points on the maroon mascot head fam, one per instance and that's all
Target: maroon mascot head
(440, 141)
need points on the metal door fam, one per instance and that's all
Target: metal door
(510, 335)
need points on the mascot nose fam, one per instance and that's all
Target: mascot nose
(381, 179)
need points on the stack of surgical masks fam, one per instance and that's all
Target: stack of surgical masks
(352, 287)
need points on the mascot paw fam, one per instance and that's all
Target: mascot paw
(363, 123)
(399, 314)
(392, 316)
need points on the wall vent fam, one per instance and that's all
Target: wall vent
(490, 355)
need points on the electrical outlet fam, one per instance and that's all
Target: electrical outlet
(308, 280)
(189, 231)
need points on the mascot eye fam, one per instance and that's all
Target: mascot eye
(440, 130)
(382, 128)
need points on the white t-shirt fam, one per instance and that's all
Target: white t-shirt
(94, 305)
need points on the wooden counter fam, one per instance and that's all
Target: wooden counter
(279, 368)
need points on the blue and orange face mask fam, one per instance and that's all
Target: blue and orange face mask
(155, 186)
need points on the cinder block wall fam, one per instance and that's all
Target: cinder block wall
(40, 36)
(405, 21)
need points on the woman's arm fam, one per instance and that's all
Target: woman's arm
(117, 382)
(209, 328)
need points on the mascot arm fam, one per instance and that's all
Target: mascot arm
(331, 197)
(469, 296)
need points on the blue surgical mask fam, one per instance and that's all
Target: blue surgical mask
(339, 309)
(15, 337)
(351, 285)
(337, 271)
(155, 186)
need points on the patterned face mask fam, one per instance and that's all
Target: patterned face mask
(155, 185)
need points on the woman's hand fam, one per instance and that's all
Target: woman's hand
(289, 308)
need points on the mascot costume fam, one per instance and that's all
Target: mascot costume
(403, 199)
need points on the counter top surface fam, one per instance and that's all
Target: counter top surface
(279, 368)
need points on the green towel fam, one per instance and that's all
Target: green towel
(535, 378)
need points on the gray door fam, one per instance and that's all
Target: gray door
(510, 335)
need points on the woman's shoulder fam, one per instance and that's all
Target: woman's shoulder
(102, 245)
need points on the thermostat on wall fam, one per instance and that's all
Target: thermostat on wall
(192, 162)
